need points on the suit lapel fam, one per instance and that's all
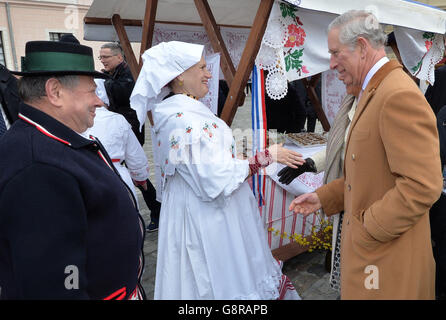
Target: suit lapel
(369, 92)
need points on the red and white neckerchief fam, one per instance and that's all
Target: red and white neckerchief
(52, 136)
(101, 155)
(43, 130)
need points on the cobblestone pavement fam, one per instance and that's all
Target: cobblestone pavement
(306, 271)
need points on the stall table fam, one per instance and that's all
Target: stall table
(279, 222)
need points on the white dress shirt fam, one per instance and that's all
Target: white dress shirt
(8, 125)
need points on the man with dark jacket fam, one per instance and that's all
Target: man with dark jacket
(120, 85)
(9, 99)
(436, 95)
(69, 225)
(438, 217)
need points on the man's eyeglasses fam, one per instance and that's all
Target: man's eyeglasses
(104, 57)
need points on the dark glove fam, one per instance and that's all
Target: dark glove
(287, 174)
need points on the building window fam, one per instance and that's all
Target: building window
(55, 36)
(2, 50)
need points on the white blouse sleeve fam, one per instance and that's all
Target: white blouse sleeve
(135, 158)
(212, 170)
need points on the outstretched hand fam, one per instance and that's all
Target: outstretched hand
(285, 156)
(306, 204)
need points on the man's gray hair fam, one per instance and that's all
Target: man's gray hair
(33, 88)
(114, 47)
(359, 23)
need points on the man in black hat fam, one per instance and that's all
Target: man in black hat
(69, 227)
(9, 99)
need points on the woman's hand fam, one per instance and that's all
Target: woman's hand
(285, 156)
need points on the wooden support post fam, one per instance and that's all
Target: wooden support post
(216, 39)
(125, 44)
(311, 92)
(217, 42)
(247, 60)
(148, 27)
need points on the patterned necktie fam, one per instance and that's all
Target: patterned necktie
(2, 124)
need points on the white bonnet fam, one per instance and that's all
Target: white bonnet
(162, 63)
(101, 92)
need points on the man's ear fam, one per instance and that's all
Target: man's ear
(363, 45)
(53, 89)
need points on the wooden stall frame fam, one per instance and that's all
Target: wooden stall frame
(236, 79)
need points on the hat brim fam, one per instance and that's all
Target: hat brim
(93, 74)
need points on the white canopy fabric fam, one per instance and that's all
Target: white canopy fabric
(295, 42)
(239, 13)
(226, 12)
(401, 13)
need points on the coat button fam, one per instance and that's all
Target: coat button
(353, 157)
(349, 187)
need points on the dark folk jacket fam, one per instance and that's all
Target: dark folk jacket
(69, 227)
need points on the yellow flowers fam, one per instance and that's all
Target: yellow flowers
(319, 239)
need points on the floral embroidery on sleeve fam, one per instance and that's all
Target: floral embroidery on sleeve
(207, 130)
(174, 143)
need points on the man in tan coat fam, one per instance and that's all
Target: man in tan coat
(391, 170)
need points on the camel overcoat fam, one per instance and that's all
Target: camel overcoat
(392, 176)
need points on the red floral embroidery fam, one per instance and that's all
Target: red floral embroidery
(428, 44)
(296, 36)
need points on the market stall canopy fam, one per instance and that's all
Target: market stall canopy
(293, 46)
(227, 13)
(295, 42)
(410, 14)
(241, 13)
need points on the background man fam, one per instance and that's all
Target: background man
(391, 174)
(69, 227)
(9, 99)
(120, 85)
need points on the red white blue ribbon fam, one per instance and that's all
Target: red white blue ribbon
(259, 130)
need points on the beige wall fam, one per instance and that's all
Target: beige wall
(436, 3)
(34, 20)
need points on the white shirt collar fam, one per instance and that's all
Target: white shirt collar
(374, 70)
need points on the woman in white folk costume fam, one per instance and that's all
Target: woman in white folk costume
(211, 242)
(117, 137)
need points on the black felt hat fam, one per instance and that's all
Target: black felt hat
(58, 58)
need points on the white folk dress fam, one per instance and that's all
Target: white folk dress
(211, 242)
(117, 137)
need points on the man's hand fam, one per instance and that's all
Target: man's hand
(288, 174)
(142, 184)
(306, 204)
